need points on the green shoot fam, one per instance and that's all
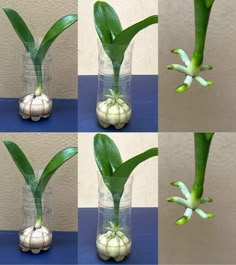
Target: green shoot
(115, 173)
(38, 186)
(202, 143)
(38, 54)
(114, 39)
(194, 65)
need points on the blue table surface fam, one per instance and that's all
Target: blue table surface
(63, 251)
(63, 117)
(144, 237)
(144, 105)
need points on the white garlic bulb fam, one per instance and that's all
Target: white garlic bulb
(113, 245)
(113, 112)
(35, 107)
(35, 239)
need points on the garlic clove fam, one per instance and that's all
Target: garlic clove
(35, 107)
(35, 239)
(113, 245)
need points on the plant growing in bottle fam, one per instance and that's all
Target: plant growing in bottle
(114, 95)
(113, 235)
(202, 143)
(37, 236)
(194, 66)
(37, 104)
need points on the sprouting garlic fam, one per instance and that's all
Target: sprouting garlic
(114, 112)
(35, 107)
(35, 239)
(113, 245)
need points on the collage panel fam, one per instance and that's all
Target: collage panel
(118, 198)
(118, 66)
(192, 100)
(38, 198)
(38, 80)
(208, 237)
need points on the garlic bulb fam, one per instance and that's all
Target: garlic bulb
(35, 239)
(113, 245)
(35, 107)
(114, 112)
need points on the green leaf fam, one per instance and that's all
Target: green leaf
(21, 162)
(209, 136)
(21, 29)
(125, 37)
(122, 173)
(53, 33)
(57, 161)
(106, 154)
(209, 3)
(109, 29)
(107, 22)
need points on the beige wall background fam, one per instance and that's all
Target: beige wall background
(145, 56)
(39, 149)
(39, 15)
(145, 183)
(200, 108)
(199, 241)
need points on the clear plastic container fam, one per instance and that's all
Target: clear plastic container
(32, 237)
(31, 106)
(114, 229)
(114, 92)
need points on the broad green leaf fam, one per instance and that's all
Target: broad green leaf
(21, 29)
(209, 3)
(21, 162)
(122, 173)
(106, 154)
(126, 36)
(106, 21)
(57, 161)
(53, 33)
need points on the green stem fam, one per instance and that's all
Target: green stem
(39, 209)
(116, 70)
(116, 203)
(202, 143)
(39, 76)
(202, 15)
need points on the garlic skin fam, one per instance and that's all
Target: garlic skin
(35, 239)
(114, 112)
(35, 107)
(114, 245)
